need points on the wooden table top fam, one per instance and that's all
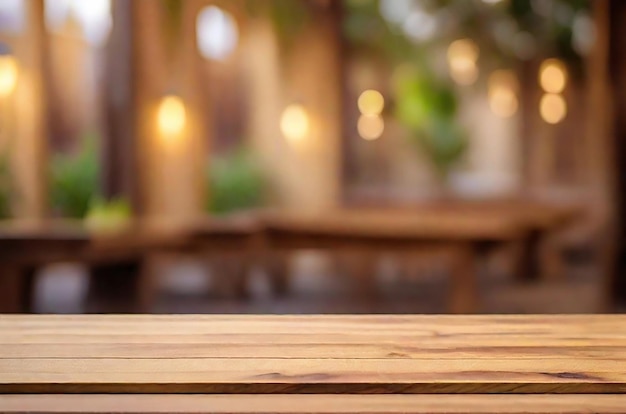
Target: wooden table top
(313, 354)
(536, 213)
(316, 404)
(426, 225)
(53, 240)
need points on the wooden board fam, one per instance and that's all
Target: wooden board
(531, 212)
(315, 404)
(313, 354)
(431, 225)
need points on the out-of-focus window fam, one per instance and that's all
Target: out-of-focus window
(93, 16)
(217, 33)
(11, 16)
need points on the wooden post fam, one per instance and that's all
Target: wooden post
(120, 177)
(163, 175)
(306, 174)
(610, 91)
(29, 132)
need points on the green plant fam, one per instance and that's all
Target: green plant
(108, 214)
(428, 109)
(74, 180)
(236, 182)
(545, 27)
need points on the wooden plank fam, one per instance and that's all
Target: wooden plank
(427, 225)
(313, 354)
(315, 404)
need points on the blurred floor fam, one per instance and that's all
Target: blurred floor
(186, 288)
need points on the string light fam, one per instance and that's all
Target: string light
(553, 76)
(371, 102)
(503, 88)
(371, 127)
(462, 60)
(295, 123)
(553, 108)
(8, 74)
(171, 116)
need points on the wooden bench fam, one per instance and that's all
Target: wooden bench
(313, 364)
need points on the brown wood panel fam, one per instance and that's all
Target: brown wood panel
(315, 404)
(313, 354)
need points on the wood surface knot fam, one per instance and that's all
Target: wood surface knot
(302, 377)
(572, 376)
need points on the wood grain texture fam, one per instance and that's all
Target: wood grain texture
(313, 354)
(315, 404)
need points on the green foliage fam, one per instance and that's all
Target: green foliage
(74, 180)
(111, 214)
(548, 24)
(428, 108)
(236, 182)
(5, 187)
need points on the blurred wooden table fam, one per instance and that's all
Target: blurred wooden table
(461, 238)
(271, 364)
(27, 246)
(542, 220)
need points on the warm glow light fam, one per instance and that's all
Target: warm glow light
(462, 57)
(553, 76)
(503, 87)
(467, 75)
(295, 123)
(463, 50)
(171, 116)
(371, 102)
(553, 108)
(8, 74)
(503, 102)
(371, 127)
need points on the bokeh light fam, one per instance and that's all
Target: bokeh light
(463, 50)
(371, 102)
(462, 61)
(8, 74)
(294, 123)
(553, 108)
(171, 116)
(503, 88)
(553, 76)
(371, 127)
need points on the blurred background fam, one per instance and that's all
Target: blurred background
(312, 156)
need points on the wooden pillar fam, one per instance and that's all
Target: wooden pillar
(262, 69)
(28, 136)
(165, 174)
(120, 166)
(611, 91)
(306, 175)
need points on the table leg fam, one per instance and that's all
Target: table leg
(362, 269)
(463, 291)
(16, 288)
(277, 268)
(121, 286)
(528, 266)
(230, 272)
